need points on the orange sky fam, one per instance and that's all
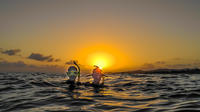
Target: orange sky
(118, 35)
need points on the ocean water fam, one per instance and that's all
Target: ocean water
(40, 92)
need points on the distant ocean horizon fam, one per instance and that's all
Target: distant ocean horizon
(138, 71)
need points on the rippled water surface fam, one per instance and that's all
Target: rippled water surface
(40, 92)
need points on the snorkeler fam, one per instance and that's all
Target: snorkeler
(73, 73)
(97, 76)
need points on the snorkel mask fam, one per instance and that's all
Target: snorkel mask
(72, 70)
(72, 73)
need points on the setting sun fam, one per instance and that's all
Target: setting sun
(107, 56)
(101, 59)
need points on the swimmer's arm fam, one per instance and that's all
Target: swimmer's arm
(77, 66)
(78, 70)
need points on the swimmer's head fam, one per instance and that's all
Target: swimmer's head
(72, 68)
(97, 69)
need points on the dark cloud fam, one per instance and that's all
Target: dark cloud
(33, 56)
(20, 66)
(10, 52)
(40, 57)
(57, 60)
(12, 64)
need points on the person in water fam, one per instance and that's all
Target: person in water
(97, 76)
(73, 73)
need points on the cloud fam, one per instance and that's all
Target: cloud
(10, 52)
(20, 66)
(182, 66)
(160, 62)
(12, 64)
(33, 56)
(40, 57)
(57, 60)
(197, 63)
(177, 59)
(148, 66)
(169, 65)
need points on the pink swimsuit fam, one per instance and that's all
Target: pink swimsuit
(97, 75)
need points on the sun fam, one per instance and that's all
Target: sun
(101, 59)
(101, 63)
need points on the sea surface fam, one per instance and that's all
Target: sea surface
(41, 92)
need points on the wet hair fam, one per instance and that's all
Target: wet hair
(96, 66)
(72, 68)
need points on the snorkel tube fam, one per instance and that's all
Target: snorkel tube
(77, 65)
(78, 70)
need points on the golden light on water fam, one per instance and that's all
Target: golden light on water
(101, 59)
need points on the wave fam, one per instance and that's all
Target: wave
(123, 92)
